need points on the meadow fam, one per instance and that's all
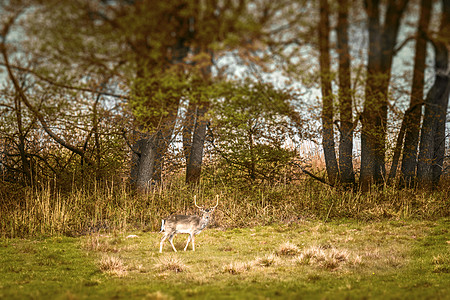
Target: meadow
(305, 260)
(303, 241)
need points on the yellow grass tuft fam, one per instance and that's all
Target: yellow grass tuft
(113, 265)
(171, 263)
(441, 263)
(266, 261)
(236, 268)
(327, 258)
(288, 249)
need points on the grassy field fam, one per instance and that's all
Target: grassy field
(303, 259)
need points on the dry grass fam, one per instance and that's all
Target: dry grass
(287, 249)
(138, 267)
(327, 258)
(441, 263)
(236, 268)
(101, 243)
(171, 263)
(113, 265)
(44, 211)
(266, 261)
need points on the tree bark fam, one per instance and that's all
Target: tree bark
(400, 140)
(143, 161)
(194, 162)
(188, 127)
(327, 97)
(195, 159)
(345, 98)
(432, 138)
(374, 117)
(26, 164)
(148, 158)
(412, 120)
(439, 139)
(368, 117)
(150, 149)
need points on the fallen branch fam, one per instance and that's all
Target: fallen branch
(312, 175)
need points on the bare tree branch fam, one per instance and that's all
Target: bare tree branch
(25, 100)
(61, 85)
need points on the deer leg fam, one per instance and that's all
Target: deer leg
(162, 241)
(189, 239)
(170, 240)
(193, 244)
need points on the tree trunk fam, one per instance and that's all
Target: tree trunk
(412, 121)
(143, 164)
(439, 139)
(369, 115)
(26, 165)
(194, 162)
(374, 116)
(188, 127)
(345, 98)
(429, 141)
(432, 137)
(194, 159)
(327, 97)
(400, 140)
(149, 150)
(148, 158)
(397, 150)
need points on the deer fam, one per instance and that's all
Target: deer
(190, 224)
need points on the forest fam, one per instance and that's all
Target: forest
(136, 100)
(118, 113)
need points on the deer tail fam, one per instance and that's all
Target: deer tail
(162, 225)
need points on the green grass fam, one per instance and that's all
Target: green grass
(305, 259)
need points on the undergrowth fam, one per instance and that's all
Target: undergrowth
(43, 211)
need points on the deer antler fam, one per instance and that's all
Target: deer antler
(217, 197)
(195, 202)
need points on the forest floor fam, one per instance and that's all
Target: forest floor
(308, 260)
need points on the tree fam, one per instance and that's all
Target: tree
(250, 122)
(132, 31)
(408, 137)
(347, 175)
(22, 97)
(16, 126)
(327, 94)
(195, 132)
(64, 112)
(382, 39)
(432, 136)
(409, 161)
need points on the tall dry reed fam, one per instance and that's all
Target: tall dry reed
(112, 207)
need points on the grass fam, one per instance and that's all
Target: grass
(284, 241)
(113, 265)
(393, 259)
(45, 212)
